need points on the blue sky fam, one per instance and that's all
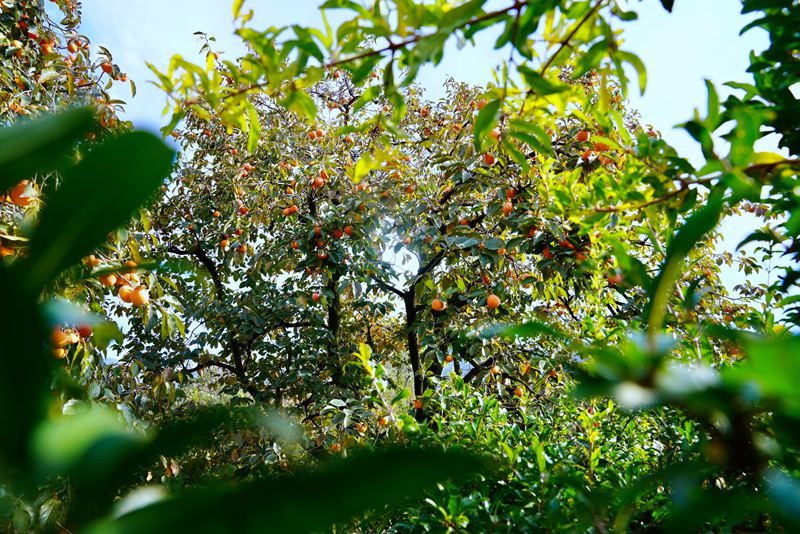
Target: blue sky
(699, 40)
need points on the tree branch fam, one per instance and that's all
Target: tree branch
(387, 287)
(393, 47)
(478, 368)
(211, 363)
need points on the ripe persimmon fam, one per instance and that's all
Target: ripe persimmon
(492, 301)
(125, 292)
(108, 280)
(140, 296)
(437, 305)
(59, 338)
(85, 331)
(17, 194)
(582, 136)
(508, 207)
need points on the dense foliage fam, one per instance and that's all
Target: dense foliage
(337, 266)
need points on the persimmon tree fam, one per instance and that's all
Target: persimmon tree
(523, 269)
(625, 227)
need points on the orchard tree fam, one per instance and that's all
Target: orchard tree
(613, 229)
(46, 66)
(405, 238)
(523, 267)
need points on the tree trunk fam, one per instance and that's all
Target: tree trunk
(413, 350)
(334, 323)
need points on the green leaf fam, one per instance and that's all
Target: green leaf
(24, 373)
(533, 134)
(712, 120)
(540, 85)
(61, 444)
(96, 196)
(253, 129)
(458, 15)
(305, 502)
(485, 121)
(693, 230)
(590, 59)
(515, 153)
(637, 64)
(40, 145)
(237, 8)
(401, 395)
(770, 371)
(300, 102)
(369, 94)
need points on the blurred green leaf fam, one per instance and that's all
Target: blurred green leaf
(485, 121)
(96, 440)
(96, 196)
(24, 373)
(693, 230)
(304, 502)
(770, 371)
(40, 144)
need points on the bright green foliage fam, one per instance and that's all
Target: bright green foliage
(521, 270)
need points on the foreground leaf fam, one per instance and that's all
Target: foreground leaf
(99, 194)
(300, 503)
(39, 145)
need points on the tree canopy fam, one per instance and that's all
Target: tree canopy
(342, 305)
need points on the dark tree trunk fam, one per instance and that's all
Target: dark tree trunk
(413, 350)
(334, 323)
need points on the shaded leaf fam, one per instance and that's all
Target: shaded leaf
(303, 502)
(96, 196)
